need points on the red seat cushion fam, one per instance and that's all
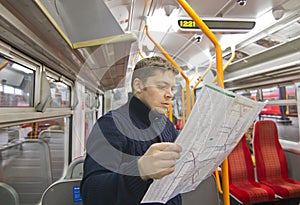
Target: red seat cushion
(242, 184)
(253, 192)
(286, 188)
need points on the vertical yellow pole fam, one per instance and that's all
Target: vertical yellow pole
(220, 78)
(182, 107)
(171, 112)
(36, 130)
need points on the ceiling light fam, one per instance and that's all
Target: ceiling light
(169, 9)
(278, 13)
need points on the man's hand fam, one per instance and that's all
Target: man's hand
(159, 160)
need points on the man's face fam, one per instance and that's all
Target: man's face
(158, 90)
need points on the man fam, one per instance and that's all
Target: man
(132, 145)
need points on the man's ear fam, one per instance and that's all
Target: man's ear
(137, 85)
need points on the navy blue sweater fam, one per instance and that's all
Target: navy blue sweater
(116, 142)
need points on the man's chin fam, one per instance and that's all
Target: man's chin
(161, 110)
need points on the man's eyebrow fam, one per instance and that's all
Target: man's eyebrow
(166, 83)
(161, 81)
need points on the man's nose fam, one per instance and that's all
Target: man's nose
(169, 93)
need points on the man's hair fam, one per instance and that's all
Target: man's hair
(147, 67)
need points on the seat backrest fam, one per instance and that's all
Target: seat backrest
(63, 192)
(269, 156)
(240, 164)
(8, 195)
(56, 142)
(75, 169)
(27, 170)
(205, 193)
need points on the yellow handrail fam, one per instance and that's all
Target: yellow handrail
(3, 64)
(225, 182)
(170, 112)
(214, 80)
(192, 78)
(228, 62)
(218, 181)
(182, 107)
(211, 36)
(220, 78)
(188, 93)
(140, 53)
(199, 80)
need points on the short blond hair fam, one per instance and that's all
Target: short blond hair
(155, 61)
(147, 67)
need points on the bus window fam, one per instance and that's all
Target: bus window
(280, 93)
(271, 94)
(90, 111)
(283, 110)
(284, 113)
(89, 122)
(291, 94)
(16, 84)
(35, 154)
(60, 94)
(31, 130)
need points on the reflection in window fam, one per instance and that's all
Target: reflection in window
(285, 116)
(30, 130)
(60, 94)
(89, 122)
(16, 84)
(291, 94)
(90, 100)
(252, 94)
(271, 93)
(119, 97)
(38, 148)
(280, 93)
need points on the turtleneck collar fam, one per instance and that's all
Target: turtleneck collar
(138, 109)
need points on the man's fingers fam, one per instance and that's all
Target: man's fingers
(159, 160)
(167, 164)
(167, 146)
(167, 155)
(163, 173)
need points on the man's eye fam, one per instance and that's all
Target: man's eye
(174, 90)
(161, 86)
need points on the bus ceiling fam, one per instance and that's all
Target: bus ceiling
(100, 40)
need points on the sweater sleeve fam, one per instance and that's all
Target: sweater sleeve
(111, 173)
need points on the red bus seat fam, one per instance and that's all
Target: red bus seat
(271, 163)
(242, 184)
